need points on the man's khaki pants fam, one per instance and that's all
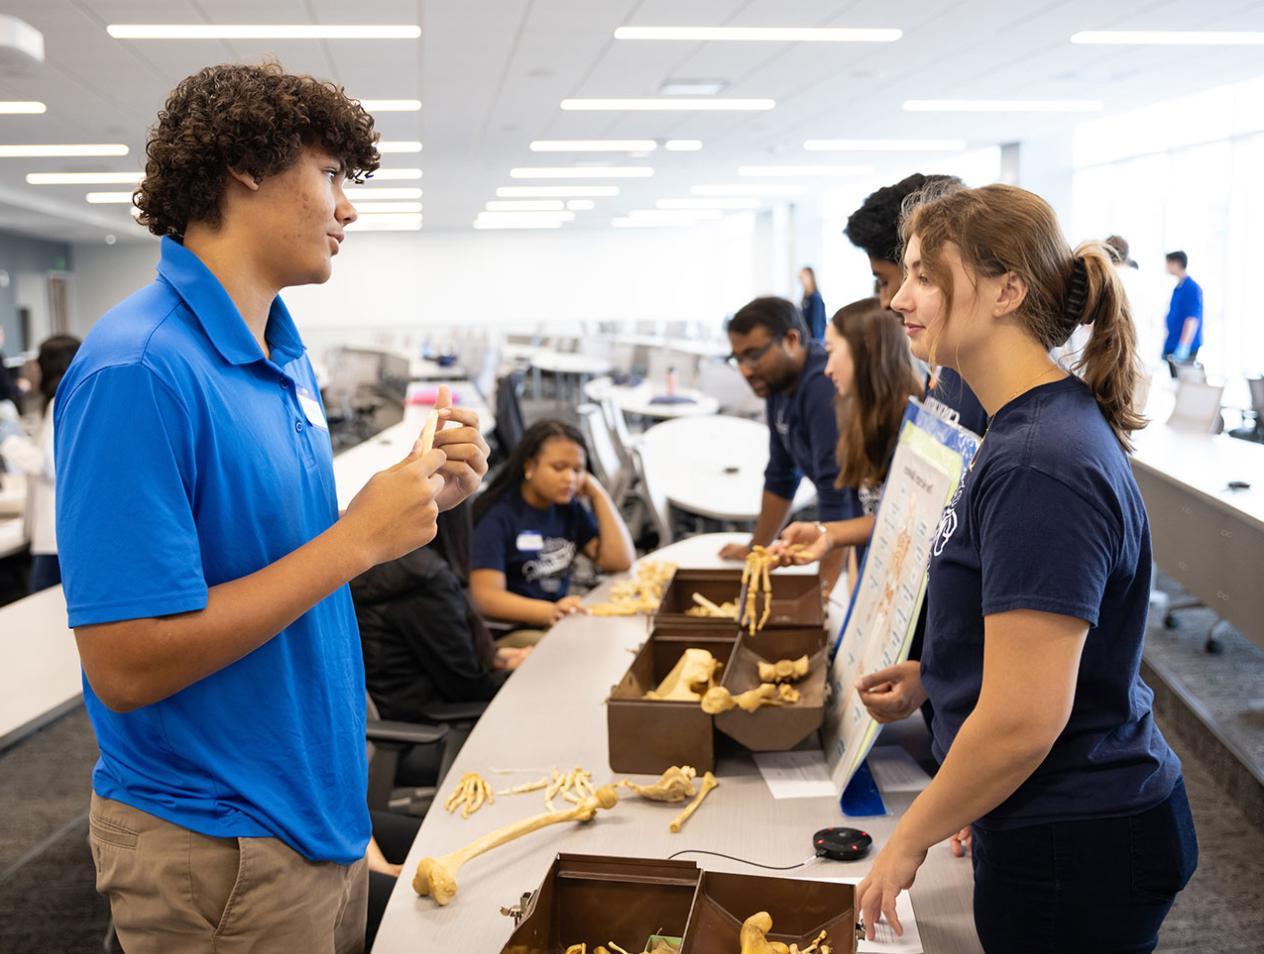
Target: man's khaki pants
(172, 890)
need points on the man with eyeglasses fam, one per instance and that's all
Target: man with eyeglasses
(788, 372)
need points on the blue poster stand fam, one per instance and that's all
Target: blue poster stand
(861, 797)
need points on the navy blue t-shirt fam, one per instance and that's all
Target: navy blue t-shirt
(533, 548)
(1050, 519)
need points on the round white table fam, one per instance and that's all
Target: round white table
(566, 364)
(713, 466)
(639, 399)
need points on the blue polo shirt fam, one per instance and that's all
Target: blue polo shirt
(1187, 302)
(803, 440)
(186, 459)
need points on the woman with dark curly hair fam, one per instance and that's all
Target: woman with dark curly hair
(204, 558)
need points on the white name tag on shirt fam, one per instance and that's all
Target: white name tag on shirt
(530, 542)
(311, 408)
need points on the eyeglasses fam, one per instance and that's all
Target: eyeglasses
(752, 357)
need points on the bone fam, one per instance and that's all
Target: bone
(754, 935)
(425, 443)
(675, 785)
(436, 877)
(708, 783)
(692, 675)
(719, 699)
(784, 670)
(470, 794)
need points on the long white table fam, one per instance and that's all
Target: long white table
(354, 466)
(639, 399)
(551, 713)
(713, 466)
(40, 678)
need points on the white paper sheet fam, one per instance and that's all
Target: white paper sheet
(796, 774)
(895, 771)
(885, 941)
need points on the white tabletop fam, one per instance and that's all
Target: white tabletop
(638, 399)
(515, 351)
(551, 712)
(713, 466)
(426, 369)
(40, 677)
(703, 348)
(1206, 463)
(354, 466)
(566, 362)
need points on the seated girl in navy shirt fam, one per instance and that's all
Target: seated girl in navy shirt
(1037, 600)
(530, 524)
(872, 369)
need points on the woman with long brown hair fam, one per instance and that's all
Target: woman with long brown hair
(872, 369)
(1037, 601)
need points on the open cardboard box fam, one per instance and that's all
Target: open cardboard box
(775, 728)
(594, 899)
(796, 598)
(648, 736)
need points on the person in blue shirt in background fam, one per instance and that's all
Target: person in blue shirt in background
(767, 338)
(530, 523)
(1038, 594)
(204, 559)
(1185, 314)
(813, 305)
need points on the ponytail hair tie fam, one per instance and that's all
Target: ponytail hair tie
(1077, 292)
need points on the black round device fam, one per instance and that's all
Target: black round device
(842, 844)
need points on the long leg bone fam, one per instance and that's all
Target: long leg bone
(436, 877)
(708, 783)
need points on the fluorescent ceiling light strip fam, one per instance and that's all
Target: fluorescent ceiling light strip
(884, 145)
(1002, 105)
(83, 178)
(581, 172)
(388, 146)
(683, 145)
(369, 193)
(500, 224)
(745, 189)
(798, 171)
(391, 105)
(376, 208)
(391, 175)
(630, 223)
(580, 205)
(716, 203)
(594, 145)
(557, 192)
(668, 104)
(22, 107)
(63, 150)
(1170, 37)
(760, 34)
(109, 198)
(525, 205)
(262, 31)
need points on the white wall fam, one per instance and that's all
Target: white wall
(514, 279)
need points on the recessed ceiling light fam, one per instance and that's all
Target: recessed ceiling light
(580, 205)
(884, 145)
(744, 189)
(109, 198)
(391, 105)
(1170, 37)
(525, 205)
(683, 145)
(692, 87)
(83, 178)
(386, 222)
(372, 192)
(1002, 105)
(581, 172)
(389, 146)
(668, 104)
(557, 192)
(262, 31)
(797, 171)
(388, 175)
(594, 145)
(376, 208)
(715, 203)
(62, 150)
(24, 107)
(760, 34)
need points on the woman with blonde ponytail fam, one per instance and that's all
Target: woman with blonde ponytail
(1037, 601)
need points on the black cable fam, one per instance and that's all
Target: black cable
(756, 864)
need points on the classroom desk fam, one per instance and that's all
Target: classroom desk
(638, 399)
(551, 712)
(354, 466)
(713, 466)
(40, 678)
(566, 364)
(1207, 536)
(698, 347)
(426, 369)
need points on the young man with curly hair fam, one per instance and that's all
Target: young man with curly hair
(204, 558)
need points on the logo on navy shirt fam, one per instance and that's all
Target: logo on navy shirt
(948, 520)
(549, 567)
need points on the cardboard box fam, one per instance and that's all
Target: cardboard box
(796, 598)
(776, 728)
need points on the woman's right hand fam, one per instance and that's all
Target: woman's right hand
(564, 607)
(893, 693)
(511, 657)
(812, 544)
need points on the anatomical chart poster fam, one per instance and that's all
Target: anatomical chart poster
(926, 469)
